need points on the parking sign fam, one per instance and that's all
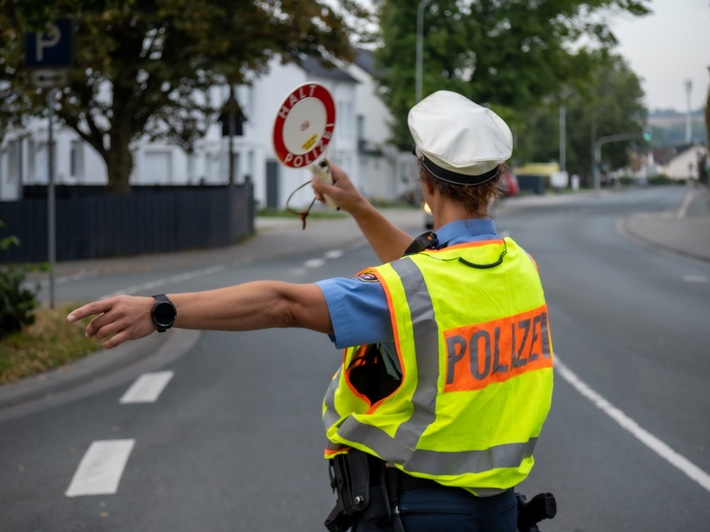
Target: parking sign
(52, 49)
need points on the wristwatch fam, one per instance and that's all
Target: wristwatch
(163, 312)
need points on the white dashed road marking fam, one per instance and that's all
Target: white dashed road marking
(147, 388)
(695, 278)
(314, 263)
(101, 468)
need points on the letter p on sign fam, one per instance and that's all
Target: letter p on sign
(52, 49)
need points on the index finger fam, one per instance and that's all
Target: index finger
(90, 309)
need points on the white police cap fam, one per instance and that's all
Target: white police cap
(457, 140)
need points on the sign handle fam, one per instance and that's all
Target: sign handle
(321, 171)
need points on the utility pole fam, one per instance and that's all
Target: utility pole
(688, 129)
(420, 49)
(563, 139)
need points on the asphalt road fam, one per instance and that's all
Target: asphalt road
(629, 421)
(233, 441)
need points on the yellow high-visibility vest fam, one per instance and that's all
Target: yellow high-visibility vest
(475, 354)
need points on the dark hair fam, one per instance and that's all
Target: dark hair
(473, 197)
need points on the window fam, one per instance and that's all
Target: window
(13, 160)
(76, 159)
(361, 132)
(31, 155)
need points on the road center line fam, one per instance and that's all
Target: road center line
(101, 468)
(314, 263)
(147, 388)
(649, 440)
(695, 278)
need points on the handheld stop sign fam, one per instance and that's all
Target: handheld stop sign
(303, 129)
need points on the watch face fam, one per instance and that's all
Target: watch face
(164, 314)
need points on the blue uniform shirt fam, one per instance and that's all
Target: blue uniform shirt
(358, 309)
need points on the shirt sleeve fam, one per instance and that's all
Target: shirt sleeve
(358, 311)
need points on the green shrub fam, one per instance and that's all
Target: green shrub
(660, 179)
(17, 302)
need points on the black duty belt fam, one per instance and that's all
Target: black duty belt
(405, 482)
(367, 489)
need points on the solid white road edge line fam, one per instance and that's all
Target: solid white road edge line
(101, 468)
(147, 388)
(649, 440)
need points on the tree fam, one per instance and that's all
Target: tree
(17, 301)
(512, 55)
(610, 103)
(140, 66)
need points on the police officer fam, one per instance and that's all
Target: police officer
(447, 377)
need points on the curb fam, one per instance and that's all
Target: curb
(101, 369)
(626, 228)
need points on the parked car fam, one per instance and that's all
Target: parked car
(509, 184)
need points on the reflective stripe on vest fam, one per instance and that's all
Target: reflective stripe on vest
(401, 445)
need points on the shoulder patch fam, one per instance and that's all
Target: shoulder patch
(366, 276)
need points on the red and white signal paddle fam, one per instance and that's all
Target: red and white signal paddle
(303, 129)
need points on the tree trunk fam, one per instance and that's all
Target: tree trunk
(119, 160)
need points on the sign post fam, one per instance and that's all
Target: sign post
(51, 204)
(50, 56)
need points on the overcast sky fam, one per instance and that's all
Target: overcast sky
(667, 48)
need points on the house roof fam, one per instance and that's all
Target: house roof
(317, 67)
(666, 154)
(365, 59)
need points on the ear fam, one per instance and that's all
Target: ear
(428, 187)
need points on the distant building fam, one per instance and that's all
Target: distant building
(679, 162)
(385, 173)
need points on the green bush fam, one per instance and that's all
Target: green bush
(17, 302)
(661, 179)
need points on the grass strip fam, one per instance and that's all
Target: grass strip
(49, 343)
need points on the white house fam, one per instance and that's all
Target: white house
(385, 173)
(684, 163)
(359, 144)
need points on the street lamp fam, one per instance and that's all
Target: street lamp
(688, 129)
(232, 117)
(420, 48)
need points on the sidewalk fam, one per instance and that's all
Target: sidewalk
(686, 231)
(275, 237)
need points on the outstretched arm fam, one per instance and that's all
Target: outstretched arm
(387, 240)
(249, 306)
